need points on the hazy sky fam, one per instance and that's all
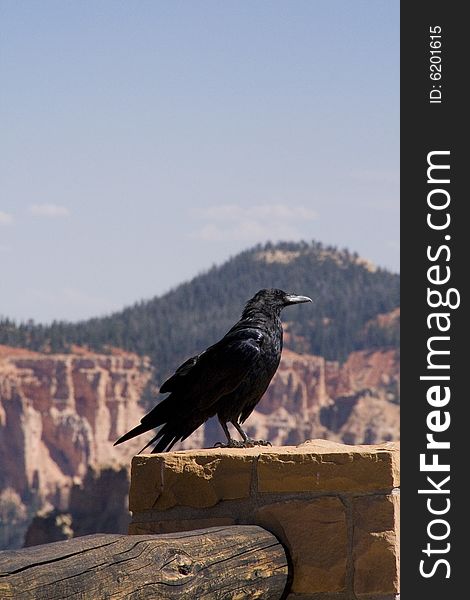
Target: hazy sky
(143, 141)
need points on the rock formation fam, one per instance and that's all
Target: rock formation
(60, 414)
(98, 503)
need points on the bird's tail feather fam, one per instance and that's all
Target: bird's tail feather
(154, 439)
(156, 417)
(142, 428)
(161, 412)
(170, 431)
(165, 437)
(166, 443)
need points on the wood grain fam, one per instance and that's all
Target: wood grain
(219, 563)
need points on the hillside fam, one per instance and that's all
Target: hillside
(349, 295)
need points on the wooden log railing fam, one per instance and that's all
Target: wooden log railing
(235, 562)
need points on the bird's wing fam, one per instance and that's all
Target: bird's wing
(178, 377)
(237, 347)
(199, 382)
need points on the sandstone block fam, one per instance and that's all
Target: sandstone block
(175, 526)
(315, 532)
(321, 466)
(376, 545)
(197, 479)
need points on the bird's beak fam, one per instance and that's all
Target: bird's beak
(292, 299)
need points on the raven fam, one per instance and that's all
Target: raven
(228, 379)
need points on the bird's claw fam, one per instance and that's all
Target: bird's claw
(249, 443)
(230, 444)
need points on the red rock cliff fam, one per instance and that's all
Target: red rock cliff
(309, 397)
(60, 413)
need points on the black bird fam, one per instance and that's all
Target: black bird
(228, 379)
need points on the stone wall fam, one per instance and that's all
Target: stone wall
(335, 507)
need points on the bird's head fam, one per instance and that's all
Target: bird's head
(274, 300)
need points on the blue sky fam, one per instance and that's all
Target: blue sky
(143, 142)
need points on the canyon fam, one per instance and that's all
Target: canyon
(61, 413)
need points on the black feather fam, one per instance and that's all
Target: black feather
(226, 380)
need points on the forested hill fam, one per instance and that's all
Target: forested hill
(347, 292)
